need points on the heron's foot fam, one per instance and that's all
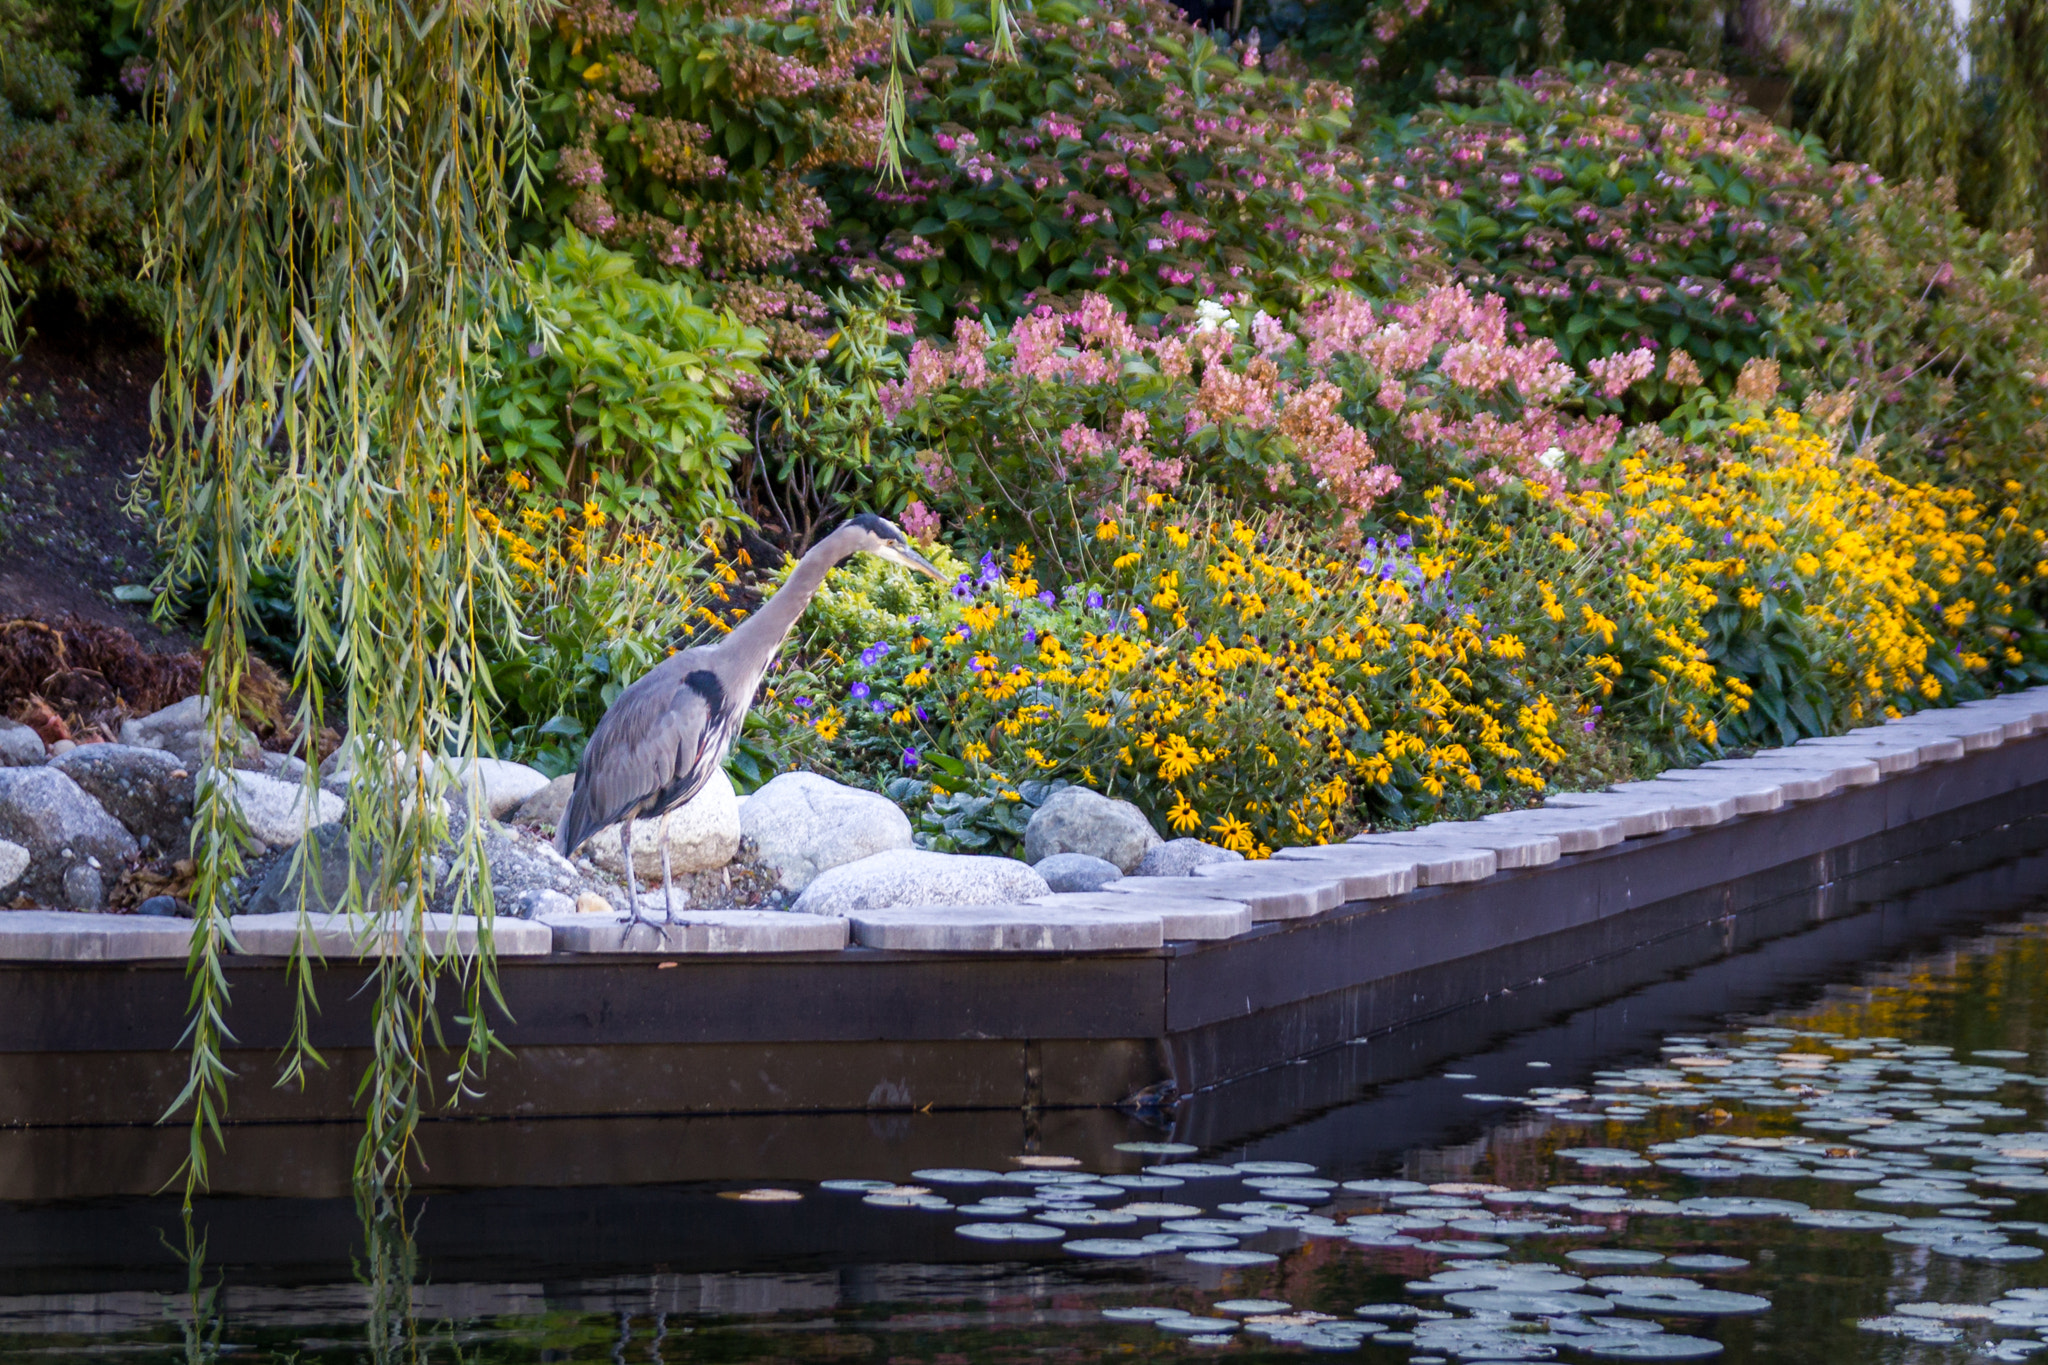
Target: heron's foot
(637, 918)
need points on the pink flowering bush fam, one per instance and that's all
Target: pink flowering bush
(1625, 209)
(1069, 417)
(1123, 152)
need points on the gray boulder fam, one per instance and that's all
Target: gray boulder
(181, 729)
(20, 747)
(13, 862)
(147, 790)
(702, 834)
(803, 824)
(275, 811)
(548, 805)
(537, 904)
(321, 868)
(907, 877)
(1077, 872)
(501, 786)
(1076, 820)
(1180, 858)
(48, 814)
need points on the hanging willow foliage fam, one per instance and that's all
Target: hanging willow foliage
(329, 228)
(1002, 25)
(1902, 85)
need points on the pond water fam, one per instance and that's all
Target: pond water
(1786, 1156)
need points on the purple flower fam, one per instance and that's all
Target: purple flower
(873, 653)
(1046, 598)
(1403, 541)
(991, 572)
(1589, 727)
(803, 701)
(1095, 601)
(920, 713)
(858, 690)
(1030, 636)
(910, 758)
(975, 665)
(879, 707)
(534, 350)
(1727, 537)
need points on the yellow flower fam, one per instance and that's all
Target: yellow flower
(1105, 530)
(1177, 758)
(518, 480)
(976, 752)
(1183, 817)
(593, 515)
(828, 726)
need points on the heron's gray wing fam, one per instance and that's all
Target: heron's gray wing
(636, 753)
(722, 714)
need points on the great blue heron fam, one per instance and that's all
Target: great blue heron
(668, 733)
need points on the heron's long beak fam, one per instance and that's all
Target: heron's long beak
(918, 562)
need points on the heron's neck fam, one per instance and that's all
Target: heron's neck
(762, 634)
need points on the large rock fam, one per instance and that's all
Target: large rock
(701, 835)
(181, 729)
(548, 805)
(61, 827)
(909, 877)
(319, 871)
(803, 824)
(148, 790)
(20, 747)
(1076, 820)
(275, 811)
(1180, 858)
(1077, 872)
(501, 786)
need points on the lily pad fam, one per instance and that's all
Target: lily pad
(1613, 1256)
(1232, 1257)
(1693, 1303)
(1708, 1263)
(1146, 1314)
(1526, 1305)
(1009, 1232)
(1652, 1348)
(956, 1175)
(1192, 1326)
(1112, 1247)
(1275, 1168)
(1144, 1210)
(1158, 1148)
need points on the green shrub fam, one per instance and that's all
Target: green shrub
(1122, 152)
(1938, 333)
(73, 169)
(609, 381)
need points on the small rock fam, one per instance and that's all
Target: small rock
(523, 865)
(84, 888)
(546, 806)
(1076, 820)
(803, 824)
(1077, 872)
(590, 903)
(913, 877)
(501, 786)
(145, 789)
(20, 747)
(535, 904)
(48, 814)
(1180, 858)
(166, 907)
(275, 811)
(62, 747)
(703, 834)
(13, 862)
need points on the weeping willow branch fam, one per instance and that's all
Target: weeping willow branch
(1002, 26)
(330, 216)
(1902, 86)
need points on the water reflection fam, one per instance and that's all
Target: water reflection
(1866, 1146)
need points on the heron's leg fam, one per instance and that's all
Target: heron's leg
(668, 876)
(633, 915)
